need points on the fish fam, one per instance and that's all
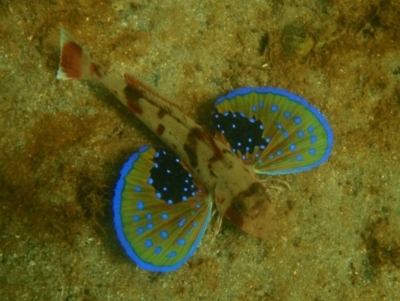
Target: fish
(165, 196)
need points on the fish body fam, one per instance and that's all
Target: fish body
(237, 191)
(159, 219)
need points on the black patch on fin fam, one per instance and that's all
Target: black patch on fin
(169, 179)
(242, 133)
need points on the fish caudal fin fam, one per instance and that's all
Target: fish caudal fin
(75, 62)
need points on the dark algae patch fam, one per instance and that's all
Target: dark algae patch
(35, 177)
(382, 243)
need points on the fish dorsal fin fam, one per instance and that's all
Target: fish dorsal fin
(141, 90)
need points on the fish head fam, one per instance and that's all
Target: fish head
(248, 208)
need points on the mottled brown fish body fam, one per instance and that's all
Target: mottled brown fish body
(236, 189)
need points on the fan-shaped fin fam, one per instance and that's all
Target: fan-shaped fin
(160, 212)
(275, 131)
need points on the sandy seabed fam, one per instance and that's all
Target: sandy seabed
(62, 145)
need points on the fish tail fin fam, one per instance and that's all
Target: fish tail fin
(75, 62)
